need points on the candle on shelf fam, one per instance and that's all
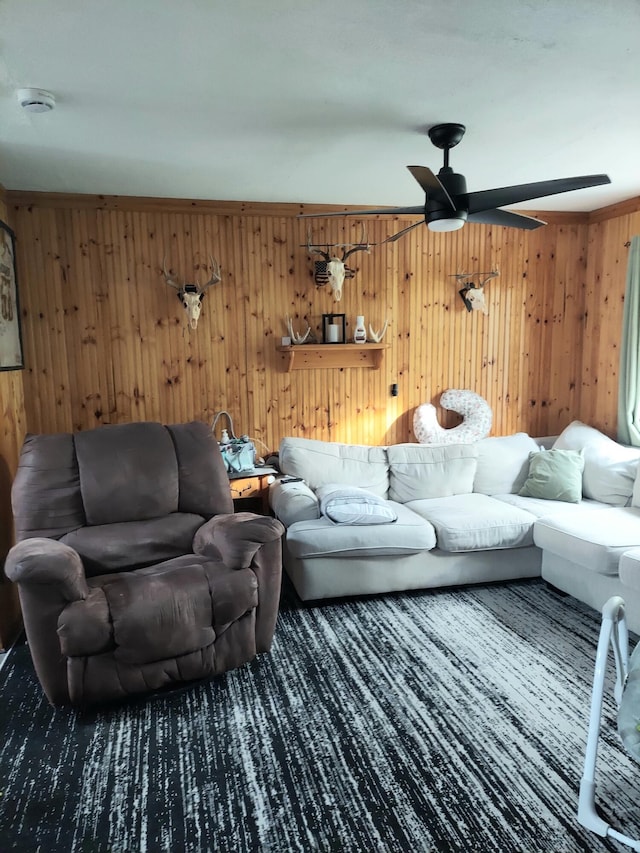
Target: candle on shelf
(332, 333)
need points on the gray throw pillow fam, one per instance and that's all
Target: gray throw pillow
(555, 475)
(352, 505)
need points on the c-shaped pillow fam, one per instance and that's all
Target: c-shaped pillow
(476, 413)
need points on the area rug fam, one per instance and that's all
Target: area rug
(432, 721)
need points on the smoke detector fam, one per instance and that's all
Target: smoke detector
(36, 100)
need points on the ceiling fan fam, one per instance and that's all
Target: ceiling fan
(448, 205)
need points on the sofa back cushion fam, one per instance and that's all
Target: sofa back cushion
(609, 468)
(319, 463)
(503, 463)
(128, 472)
(420, 471)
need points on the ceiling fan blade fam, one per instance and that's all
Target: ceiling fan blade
(431, 184)
(388, 210)
(505, 217)
(400, 234)
(504, 196)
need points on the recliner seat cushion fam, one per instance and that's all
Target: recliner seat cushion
(476, 523)
(128, 472)
(130, 544)
(595, 540)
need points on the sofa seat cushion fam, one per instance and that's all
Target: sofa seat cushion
(409, 534)
(595, 540)
(540, 507)
(630, 570)
(476, 522)
(114, 547)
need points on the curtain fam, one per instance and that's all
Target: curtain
(629, 389)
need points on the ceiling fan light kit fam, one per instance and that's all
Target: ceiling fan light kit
(448, 205)
(448, 223)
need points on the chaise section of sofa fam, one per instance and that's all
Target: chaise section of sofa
(590, 552)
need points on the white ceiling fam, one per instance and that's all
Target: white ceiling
(319, 101)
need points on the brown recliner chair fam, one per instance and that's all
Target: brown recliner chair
(134, 573)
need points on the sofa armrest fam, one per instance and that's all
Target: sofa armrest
(49, 576)
(293, 502)
(246, 540)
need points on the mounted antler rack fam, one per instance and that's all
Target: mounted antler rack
(473, 294)
(333, 270)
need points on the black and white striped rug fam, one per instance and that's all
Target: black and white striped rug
(434, 721)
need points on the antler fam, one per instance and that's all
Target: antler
(376, 337)
(295, 337)
(492, 274)
(215, 275)
(170, 279)
(362, 246)
(463, 276)
(316, 250)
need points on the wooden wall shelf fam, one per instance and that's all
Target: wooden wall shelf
(309, 356)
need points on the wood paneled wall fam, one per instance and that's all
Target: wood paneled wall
(11, 437)
(105, 339)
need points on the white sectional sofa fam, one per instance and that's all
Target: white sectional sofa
(363, 519)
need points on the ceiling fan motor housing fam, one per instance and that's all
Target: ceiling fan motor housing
(439, 208)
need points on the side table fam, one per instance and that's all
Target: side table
(253, 484)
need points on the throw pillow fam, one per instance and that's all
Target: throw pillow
(555, 475)
(609, 468)
(352, 505)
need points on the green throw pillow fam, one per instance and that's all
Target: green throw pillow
(555, 475)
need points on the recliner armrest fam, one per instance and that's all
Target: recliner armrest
(246, 540)
(39, 561)
(49, 576)
(235, 538)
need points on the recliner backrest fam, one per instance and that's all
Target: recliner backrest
(128, 472)
(117, 473)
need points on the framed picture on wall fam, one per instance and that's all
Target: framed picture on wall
(11, 357)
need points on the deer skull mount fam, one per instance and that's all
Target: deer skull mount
(333, 270)
(191, 295)
(473, 294)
